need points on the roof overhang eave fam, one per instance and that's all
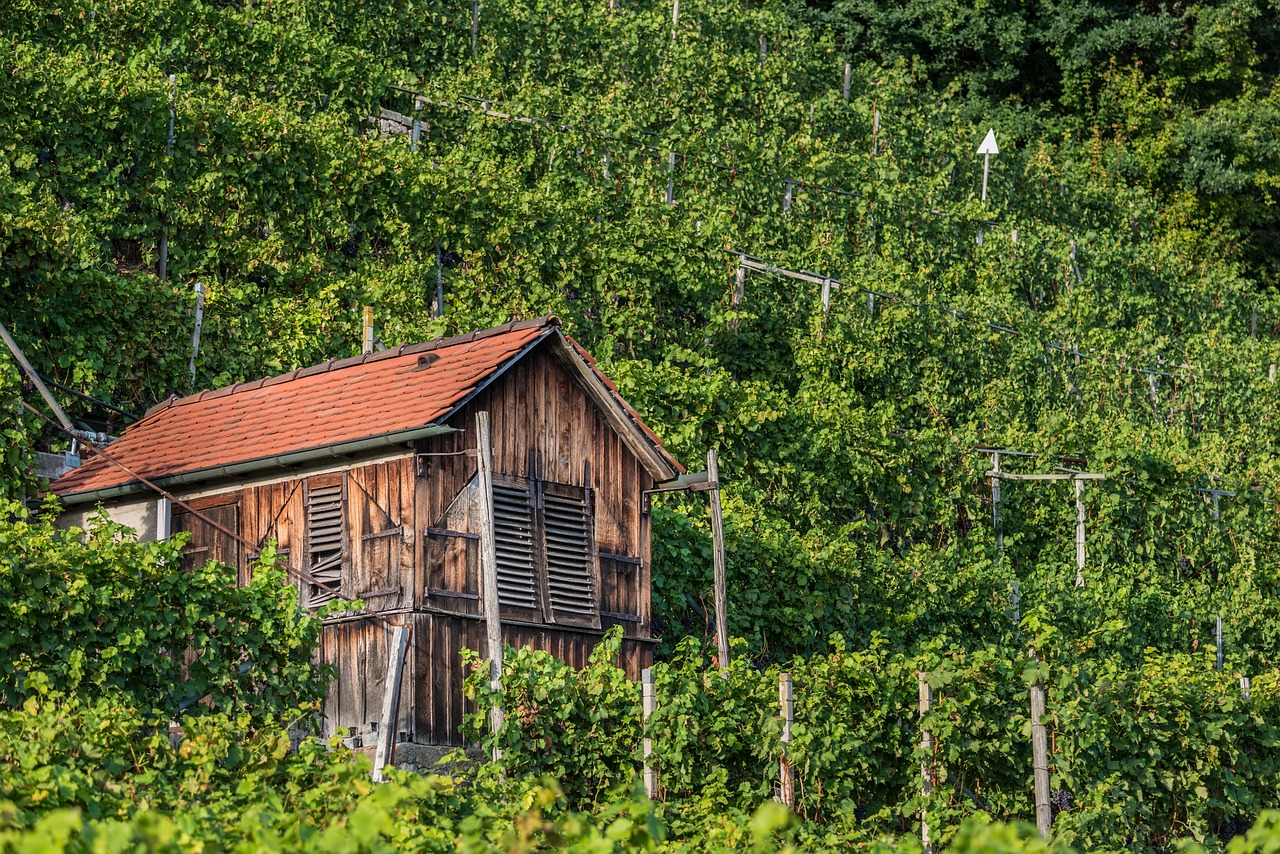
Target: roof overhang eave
(294, 458)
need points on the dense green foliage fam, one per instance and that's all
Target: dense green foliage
(1130, 218)
(1149, 754)
(90, 612)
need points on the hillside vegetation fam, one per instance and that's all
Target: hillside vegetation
(1109, 307)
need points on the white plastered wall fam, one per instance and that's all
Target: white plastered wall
(146, 515)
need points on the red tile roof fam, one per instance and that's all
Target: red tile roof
(318, 407)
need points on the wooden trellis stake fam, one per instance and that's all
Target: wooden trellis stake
(475, 24)
(739, 292)
(926, 764)
(1218, 659)
(996, 519)
(437, 307)
(1040, 760)
(195, 335)
(415, 134)
(168, 155)
(717, 556)
(1079, 531)
(648, 702)
(671, 177)
(848, 78)
(786, 698)
(489, 567)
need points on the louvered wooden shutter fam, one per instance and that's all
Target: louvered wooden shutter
(324, 542)
(568, 543)
(513, 536)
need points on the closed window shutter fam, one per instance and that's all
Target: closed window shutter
(513, 537)
(324, 542)
(567, 532)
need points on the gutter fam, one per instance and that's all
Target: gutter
(294, 458)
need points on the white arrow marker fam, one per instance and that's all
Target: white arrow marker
(987, 149)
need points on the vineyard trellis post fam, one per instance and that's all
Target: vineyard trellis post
(489, 566)
(648, 703)
(739, 293)
(996, 520)
(437, 307)
(168, 156)
(475, 24)
(1079, 482)
(717, 557)
(1040, 760)
(926, 763)
(1217, 662)
(786, 699)
(848, 79)
(1244, 687)
(671, 178)
(415, 134)
(196, 329)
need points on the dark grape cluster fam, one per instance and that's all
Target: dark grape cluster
(1060, 800)
(1231, 828)
(861, 811)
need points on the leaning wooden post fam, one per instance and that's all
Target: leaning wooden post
(786, 698)
(926, 764)
(489, 567)
(647, 705)
(390, 703)
(1040, 760)
(717, 555)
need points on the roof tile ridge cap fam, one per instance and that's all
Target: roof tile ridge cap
(549, 320)
(545, 321)
(382, 355)
(169, 401)
(340, 364)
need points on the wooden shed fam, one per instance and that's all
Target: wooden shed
(359, 470)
